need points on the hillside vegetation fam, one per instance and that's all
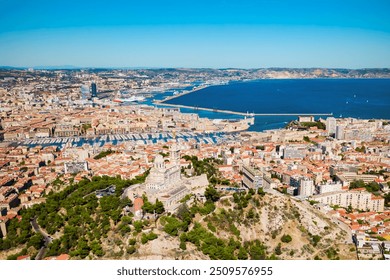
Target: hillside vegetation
(247, 225)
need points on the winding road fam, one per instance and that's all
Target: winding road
(42, 252)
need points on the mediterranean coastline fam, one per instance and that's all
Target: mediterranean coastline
(275, 101)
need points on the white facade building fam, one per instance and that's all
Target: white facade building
(329, 187)
(340, 132)
(358, 199)
(331, 125)
(164, 176)
(251, 178)
(306, 187)
(165, 183)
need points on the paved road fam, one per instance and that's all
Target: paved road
(42, 252)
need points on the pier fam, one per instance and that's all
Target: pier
(241, 113)
(180, 94)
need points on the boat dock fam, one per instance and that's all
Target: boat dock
(146, 138)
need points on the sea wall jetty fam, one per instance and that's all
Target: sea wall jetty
(181, 94)
(247, 114)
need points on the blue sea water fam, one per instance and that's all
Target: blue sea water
(358, 98)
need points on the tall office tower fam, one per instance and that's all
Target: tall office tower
(93, 90)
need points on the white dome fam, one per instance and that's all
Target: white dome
(159, 159)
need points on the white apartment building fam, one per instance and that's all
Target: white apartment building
(331, 125)
(329, 187)
(306, 187)
(268, 183)
(340, 132)
(347, 177)
(251, 178)
(358, 199)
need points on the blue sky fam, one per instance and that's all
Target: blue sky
(213, 33)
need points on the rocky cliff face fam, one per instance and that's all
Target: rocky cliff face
(287, 228)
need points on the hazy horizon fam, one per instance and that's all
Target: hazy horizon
(70, 67)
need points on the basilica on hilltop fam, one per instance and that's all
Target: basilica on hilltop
(164, 176)
(165, 182)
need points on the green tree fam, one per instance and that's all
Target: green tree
(278, 249)
(349, 209)
(360, 149)
(315, 240)
(148, 207)
(97, 248)
(159, 207)
(183, 246)
(387, 199)
(36, 241)
(83, 249)
(146, 237)
(131, 250)
(242, 254)
(54, 248)
(357, 184)
(208, 207)
(251, 214)
(103, 154)
(211, 194)
(211, 227)
(286, 238)
(260, 192)
(138, 225)
(372, 187)
(332, 254)
(257, 251)
(172, 225)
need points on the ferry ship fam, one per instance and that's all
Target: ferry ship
(131, 99)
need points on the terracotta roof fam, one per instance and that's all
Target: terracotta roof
(63, 257)
(138, 203)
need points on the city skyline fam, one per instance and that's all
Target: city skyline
(221, 34)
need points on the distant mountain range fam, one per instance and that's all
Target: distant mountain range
(72, 67)
(12, 68)
(69, 67)
(189, 68)
(42, 67)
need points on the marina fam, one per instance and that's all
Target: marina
(133, 139)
